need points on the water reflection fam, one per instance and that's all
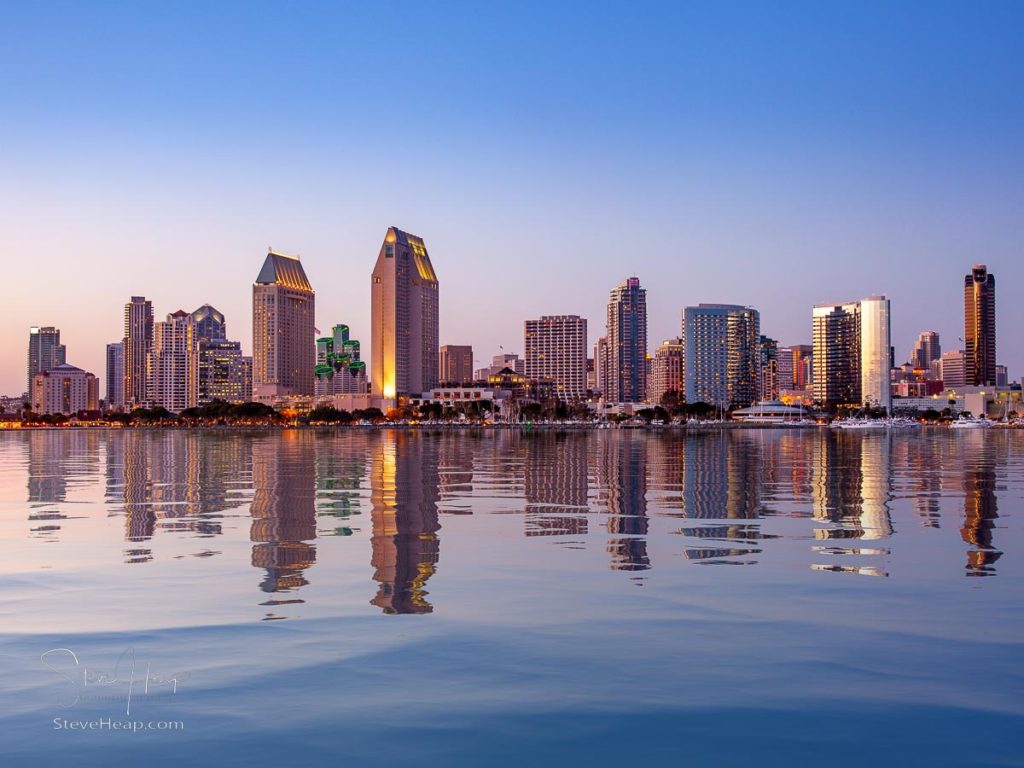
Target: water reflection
(737, 497)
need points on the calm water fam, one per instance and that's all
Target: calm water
(496, 598)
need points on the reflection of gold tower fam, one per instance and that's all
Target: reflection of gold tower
(980, 507)
(283, 508)
(404, 494)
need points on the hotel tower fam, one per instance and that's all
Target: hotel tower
(282, 329)
(404, 318)
(980, 327)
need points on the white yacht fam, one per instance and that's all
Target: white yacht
(971, 422)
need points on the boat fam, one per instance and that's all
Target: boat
(860, 423)
(971, 422)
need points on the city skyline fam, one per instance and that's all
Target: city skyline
(790, 170)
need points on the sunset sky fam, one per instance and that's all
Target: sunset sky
(771, 154)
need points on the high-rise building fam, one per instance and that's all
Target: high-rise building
(600, 362)
(624, 379)
(721, 357)
(794, 367)
(224, 372)
(137, 343)
(926, 349)
(115, 375)
(853, 353)
(876, 355)
(64, 389)
(210, 325)
(1002, 376)
(404, 310)
(283, 311)
(44, 351)
(953, 369)
(339, 370)
(980, 326)
(174, 363)
(768, 384)
(456, 364)
(667, 369)
(556, 350)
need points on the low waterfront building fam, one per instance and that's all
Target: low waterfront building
(64, 389)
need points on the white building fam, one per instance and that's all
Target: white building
(174, 363)
(64, 389)
(556, 349)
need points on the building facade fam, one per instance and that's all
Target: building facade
(624, 378)
(64, 389)
(115, 375)
(952, 369)
(404, 314)
(339, 369)
(283, 311)
(926, 349)
(44, 351)
(224, 372)
(210, 323)
(456, 364)
(174, 363)
(137, 345)
(556, 350)
(768, 384)
(721, 354)
(667, 369)
(980, 326)
(853, 353)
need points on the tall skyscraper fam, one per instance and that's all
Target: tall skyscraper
(876, 361)
(44, 352)
(667, 369)
(115, 375)
(926, 349)
(174, 363)
(456, 364)
(722, 358)
(137, 343)
(283, 332)
(768, 384)
(556, 349)
(853, 353)
(624, 379)
(210, 324)
(980, 326)
(338, 367)
(404, 317)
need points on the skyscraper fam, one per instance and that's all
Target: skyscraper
(980, 326)
(404, 316)
(224, 372)
(137, 342)
(624, 378)
(722, 358)
(667, 369)
(875, 353)
(210, 324)
(768, 385)
(456, 363)
(556, 349)
(283, 310)
(44, 352)
(174, 363)
(853, 353)
(926, 349)
(115, 375)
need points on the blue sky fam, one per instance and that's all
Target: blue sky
(771, 154)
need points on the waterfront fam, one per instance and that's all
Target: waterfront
(497, 596)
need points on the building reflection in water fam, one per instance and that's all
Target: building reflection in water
(404, 491)
(57, 461)
(621, 470)
(556, 483)
(721, 480)
(283, 508)
(980, 507)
